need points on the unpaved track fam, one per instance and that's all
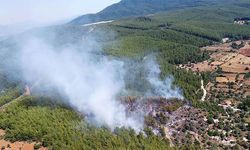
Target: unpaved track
(26, 93)
(2, 108)
(204, 91)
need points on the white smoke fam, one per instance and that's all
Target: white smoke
(91, 84)
(160, 88)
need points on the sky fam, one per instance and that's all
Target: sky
(47, 11)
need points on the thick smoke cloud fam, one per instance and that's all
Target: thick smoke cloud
(90, 81)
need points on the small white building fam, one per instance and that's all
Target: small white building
(224, 40)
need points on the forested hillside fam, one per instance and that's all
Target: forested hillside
(129, 8)
(173, 37)
(176, 38)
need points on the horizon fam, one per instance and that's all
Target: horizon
(47, 12)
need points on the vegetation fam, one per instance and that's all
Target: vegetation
(8, 95)
(247, 76)
(59, 127)
(128, 8)
(175, 38)
(236, 46)
(245, 105)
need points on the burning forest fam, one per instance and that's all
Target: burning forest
(140, 74)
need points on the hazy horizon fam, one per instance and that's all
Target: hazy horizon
(45, 11)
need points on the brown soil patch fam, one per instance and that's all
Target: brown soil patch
(16, 145)
(246, 49)
(234, 68)
(228, 57)
(234, 64)
(221, 79)
(20, 145)
(2, 132)
(237, 64)
(240, 59)
(230, 75)
(221, 86)
(218, 56)
(245, 52)
(220, 47)
(241, 77)
(247, 82)
(247, 45)
(226, 78)
(216, 63)
(203, 67)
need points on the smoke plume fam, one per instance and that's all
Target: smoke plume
(90, 81)
(160, 88)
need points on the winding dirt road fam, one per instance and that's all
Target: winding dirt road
(204, 91)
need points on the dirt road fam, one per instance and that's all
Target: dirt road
(26, 93)
(204, 91)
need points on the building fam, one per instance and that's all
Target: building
(224, 40)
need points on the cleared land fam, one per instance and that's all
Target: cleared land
(19, 145)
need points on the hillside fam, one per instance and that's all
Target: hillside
(128, 8)
(183, 41)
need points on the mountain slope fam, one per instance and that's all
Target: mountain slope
(128, 8)
(175, 38)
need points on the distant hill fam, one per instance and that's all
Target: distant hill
(128, 8)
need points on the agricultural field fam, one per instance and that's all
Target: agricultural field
(228, 86)
(231, 68)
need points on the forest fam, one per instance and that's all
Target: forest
(175, 38)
